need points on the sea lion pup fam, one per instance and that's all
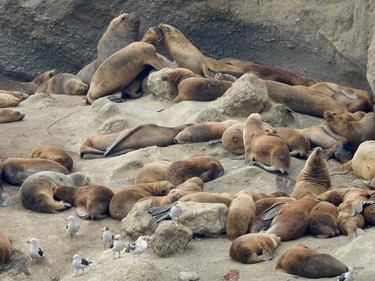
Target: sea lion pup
(53, 153)
(5, 248)
(354, 99)
(302, 261)
(10, 115)
(292, 220)
(152, 172)
(323, 220)
(186, 55)
(192, 185)
(314, 179)
(121, 31)
(26, 87)
(240, 214)
(7, 100)
(63, 84)
(122, 67)
(193, 87)
(208, 197)
(124, 200)
(302, 100)
(206, 167)
(265, 149)
(348, 223)
(298, 144)
(16, 170)
(232, 139)
(127, 140)
(19, 95)
(91, 201)
(270, 72)
(341, 195)
(354, 131)
(203, 132)
(254, 247)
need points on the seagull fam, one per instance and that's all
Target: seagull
(172, 211)
(35, 253)
(118, 246)
(347, 276)
(137, 247)
(80, 263)
(72, 227)
(107, 237)
(175, 212)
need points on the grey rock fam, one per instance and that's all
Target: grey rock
(189, 276)
(161, 90)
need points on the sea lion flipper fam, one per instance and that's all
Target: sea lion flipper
(330, 132)
(7, 199)
(120, 137)
(358, 232)
(211, 142)
(81, 212)
(267, 254)
(359, 206)
(160, 210)
(272, 211)
(349, 94)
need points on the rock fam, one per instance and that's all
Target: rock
(161, 90)
(189, 276)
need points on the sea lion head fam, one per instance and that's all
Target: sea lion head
(43, 77)
(169, 32)
(126, 22)
(150, 36)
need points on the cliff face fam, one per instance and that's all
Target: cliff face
(328, 40)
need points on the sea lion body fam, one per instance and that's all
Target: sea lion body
(191, 185)
(7, 100)
(232, 139)
(63, 84)
(298, 144)
(207, 197)
(19, 95)
(5, 248)
(10, 115)
(349, 224)
(152, 172)
(53, 153)
(323, 220)
(318, 136)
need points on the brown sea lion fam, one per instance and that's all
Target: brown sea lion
(7, 100)
(321, 136)
(240, 214)
(124, 200)
(298, 144)
(302, 261)
(369, 214)
(341, 195)
(232, 139)
(10, 115)
(26, 87)
(16, 170)
(207, 197)
(91, 201)
(193, 87)
(152, 172)
(127, 140)
(122, 67)
(53, 153)
(349, 224)
(292, 220)
(267, 150)
(63, 84)
(121, 31)
(19, 95)
(314, 179)
(205, 167)
(191, 185)
(5, 248)
(323, 220)
(354, 131)
(254, 247)
(203, 132)
(270, 72)
(186, 55)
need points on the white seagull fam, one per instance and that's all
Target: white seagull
(107, 237)
(347, 276)
(80, 263)
(35, 253)
(137, 247)
(118, 246)
(72, 227)
(175, 212)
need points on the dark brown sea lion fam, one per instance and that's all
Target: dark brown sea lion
(10, 115)
(127, 140)
(26, 87)
(298, 144)
(323, 220)
(152, 172)
(91, 201)
(53, 153)
(63, 84)
(254, 247)
(5, 248)
(124, 200)
(302, 261)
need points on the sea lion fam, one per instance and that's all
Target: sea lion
(193, 87)
(124, 200)
(369, 214)
(26, 87)
(63, 84)
(267, 150)
(344, 151)
(292, 220)
(205, 167)
(240, 214)
(254, 247)
(338, 196)
(349, 224)
(127, 140)
(53, 153)
(314, 179)
(186, 55)
(302, 261)
(16, 170)
(10, 115)
(7, 100)
(5, 248)
(152, 172)
(91, 201)
(121, 31)
(203, 132)
(354, 131)
(298, 144)
(191, 185)
(323, 220)
(270, 72)
(321, 136)
(207, 197)
(122, 67)
(19, 95)
(232, 139)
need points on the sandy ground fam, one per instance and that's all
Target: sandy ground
(66, 121)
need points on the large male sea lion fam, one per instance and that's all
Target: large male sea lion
(53, 153)
(127, 140)
(63, 84)
(5, 248)
(10, 115)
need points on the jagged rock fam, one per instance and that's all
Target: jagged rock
(161, 90)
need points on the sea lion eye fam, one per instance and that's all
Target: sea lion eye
(124, 18)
